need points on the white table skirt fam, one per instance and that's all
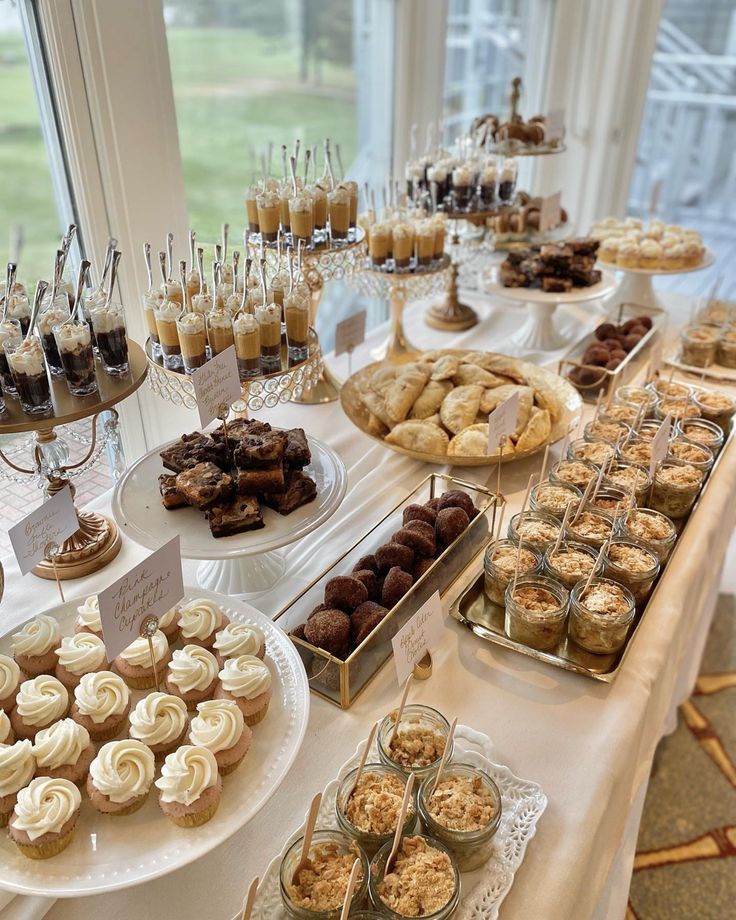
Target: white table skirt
(589, 745)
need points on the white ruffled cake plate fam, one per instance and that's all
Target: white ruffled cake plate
(112, 853)
(483, 890)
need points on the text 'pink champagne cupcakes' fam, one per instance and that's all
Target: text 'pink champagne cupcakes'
(220, 727)
(64, 751)
(88, 617)
(7, 735)
(239, 639)
(200, 620)
(40, 701)
(190, 786)
(44, 817)
(120, 777)
(135, 665)
(192, 675)
(80, 654)
(35, 646)
(160, 721)
(247, 681)
(169, 624)
(101, 704)
(10, 681)
(17, 766)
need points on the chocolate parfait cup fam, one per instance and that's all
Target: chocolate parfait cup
(45, 323)
(109, 328)
(28, 368)
(74, 341)
(11, 334)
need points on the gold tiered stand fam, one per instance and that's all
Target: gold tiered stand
(97, 541)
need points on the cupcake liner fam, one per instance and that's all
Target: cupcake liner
(131, 809)
(145, 682)
(230, 768)
(45, 850)
(256, 717)
(109, 733)
(195, 819)
(4, 818)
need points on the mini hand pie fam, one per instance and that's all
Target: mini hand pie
(492, 399)
(403, 392)
(430, 399)
(537, 430)
(423, 437)
(460, 407)
(382, 379)
(376, 405)
(473, 442)
(472, 373)
(498, 364)
(446, 367)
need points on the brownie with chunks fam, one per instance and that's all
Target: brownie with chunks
(237, 516)
(300, 490)
(171, 497)
(297, 454)
(260, 480)
(205, 485)
(583, 247)
(190, 450)
(260, 450)
(554, 285)
(237, 429)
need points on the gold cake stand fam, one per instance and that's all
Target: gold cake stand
(97, 541)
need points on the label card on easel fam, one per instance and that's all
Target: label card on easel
(350, 333)
(554, 125)
(151, 588)
(502, 422)
(422, 634)
(550, 212)
(53, 522)
(660, 444)
(216, 383)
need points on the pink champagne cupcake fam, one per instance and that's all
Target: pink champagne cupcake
(17, 767)
(120, 777)
(35, 646)
(247, 681)
(220, 727)
(169, 625)
(39, 703)
(80, 654)
(160, 721)
(44, 817)
(10, 680)
(200, 620)
(192, 675)
(101, 704)
(190, 786)
(64, 751)
(135, 666)
(7, 735)
(88, 617)
(239, 639)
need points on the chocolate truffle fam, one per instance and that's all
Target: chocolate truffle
(395, 586)
(366, 562)
(345, 592)
(421, 542)
(456, 498)
(365, 619)
(451, 522)
(329, 630)
(370, 580)
(421, 564)
(419, 513)
(394, 554)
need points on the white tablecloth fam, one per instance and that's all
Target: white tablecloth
(589, 745)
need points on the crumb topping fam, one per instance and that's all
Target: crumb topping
(421, 882)
(573, 472)
(632, 558)
(572, 562)
(630, 477)
(375, 804)
(638, 451)
(684, 477)
(322, 883)
(538, 533)
(649, 526)
(416, 746)
(678, 408)
(595, 451)
(700, 434)
(605, 597)
(555, 497)
(591, 525)
(462, 803)
(718, 401)
(536, 600)
(621, 412)
(608, 430)
(684, 451)
(505, 560)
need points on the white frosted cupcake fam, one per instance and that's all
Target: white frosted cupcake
(34, 646)
(192, 675)
(135, 665)
(17, 767)
(247, 681)
(169, 624)
(239, 639)
(44, 817)
(64, 751)
(160, 721)
(10, 681)
(7, 735)
(80, 654)
(101, 704)
(88, 617)
(190, 786)
(40, 702)
(200, 620)
(220, 727)
(121, 777)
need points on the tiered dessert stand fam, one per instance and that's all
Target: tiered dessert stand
(637, 283)
(97, 541)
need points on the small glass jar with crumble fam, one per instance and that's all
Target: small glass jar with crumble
(571, 563)
(591, 527)
(631, 477)
(553, 497)
(648, 429)
(697, 455)
(716, 407)
(595, 451)
(499, 563)
(636, 450)
(419, 742)
(463, 813)
(670, 389)
(637, 396)
(601, 615)
(536, 611)
(676, 486)
(534, 528)
(318, 894)
(611, 499)
(651, 528)
(620, 412)
(613, 430)
(698, 344)
(634, 565)
(726, 354)
(577, 473)
(701, 431)
(677, 407)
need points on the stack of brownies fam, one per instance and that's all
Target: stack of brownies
(554, 267)
(229, 474)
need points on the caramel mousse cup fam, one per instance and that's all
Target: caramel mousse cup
(28, 368)
(379, 244)
(193, 340)
(536, 611)
(402, 245)
(277, 288)
(192, 286)
(151, 301)
(338, 202)
(45, 324)
(74, 341)
(285, 193)
(172, 290)
(203, 303)
(438, 225)
(219, 331)
(251, 208)
(247, 345)
(269, 213)
(269, 327)
(296, 314)
(108, 324)
(601, 615)
(319, 200)
(352, 186)
(166, 316)
(301, 217)
(424, 243)
(11, 334)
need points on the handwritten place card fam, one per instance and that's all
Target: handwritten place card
(55, 521)
(420, 635)
(550, 212)
(350, 333)
(216, 383)
(502, 422)
(660, 444)
(149, 589)
(554, 125)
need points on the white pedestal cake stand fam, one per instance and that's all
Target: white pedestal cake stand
(245, 564)
(636, 284)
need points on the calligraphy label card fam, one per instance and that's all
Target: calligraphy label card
(217, 383)
(422, 634)
(350, 333)
(55, 521)
(502, 422)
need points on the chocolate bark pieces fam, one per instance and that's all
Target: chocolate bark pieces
(261, 480)
(237, 516)
(261, 450)
(300, 490)
(297, 454)
(205, 485)
(171, 497)
(190, 450)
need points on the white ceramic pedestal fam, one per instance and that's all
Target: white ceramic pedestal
(247, 576)
(638, 288)
(539, 332)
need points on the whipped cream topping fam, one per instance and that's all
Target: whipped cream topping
(42, 700)
(123, 770)
(268, 313)
(17, 766)
(59, 744)
(186, 774)
(49, 318)
(73, 336)
(101, 695)
(191, 323)
(192, 668)
(81, 653)
(19, 305)
(105, 319)
(202, 303)
(168, 618)
(218, 725)
(37, 637)
(45, 806)
(245, 676)
(239, 639)
(168, 311)
(9, 677)
(219, 319)
(88, 614)
(245, 323)
(4, 727)
(158, 718)
(199, 618)
(9, 332)
(138, 653)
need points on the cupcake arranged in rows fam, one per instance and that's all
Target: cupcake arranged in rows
(40, 702)
(80, 654)
(200, 620)
(135, 665)
(45, 815)
(10, 681)
(192, 675)
(35, 645)
(121, 777)
(64, 751)
(246, 680)
(101, 704)
(7, 735)
(220, 727)
(239, 639)
(17, 767)
(190, 786)
(88, 617)
(160, 721)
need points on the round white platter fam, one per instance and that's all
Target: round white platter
(708, 259)
(107, 854)
(637, 283)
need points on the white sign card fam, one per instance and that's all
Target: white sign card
(550, 212)
(53, 522)
(149, 589)
(660, 444)
(420, 635)
(554, 125)
(350, 333)
(217, 383)
(502, 422)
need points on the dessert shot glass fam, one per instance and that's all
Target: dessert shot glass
(247, 345)
(192, 332)
(45, 323)
(151, 302)
(296, 314)
(301, 217)
(166, 316)
(74, 341)
(108, 324)
(28, 368)
(269, 327)
(269, 215)
(11, 334)
(220, 331)
(338, 202)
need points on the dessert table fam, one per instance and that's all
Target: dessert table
(589, 745)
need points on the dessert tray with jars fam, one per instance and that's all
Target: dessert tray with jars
(114, 744)
(479, 863)
(707, 346)
(573, 578)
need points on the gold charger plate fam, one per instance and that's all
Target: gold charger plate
(553, 386)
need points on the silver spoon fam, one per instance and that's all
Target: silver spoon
(112, 245)
(10, 274)
(169, 254)
(40, 291)
(183, 277)
(81, 280)
(292, 167)
(225, 234)
(339, 162)
(113, 276)
(59, 263)
(68, 238)
(246, 273)
(200, 268)
(307, 157)
(283, 162)
(149, 268)
(236, 263)
(192, 244)
(162, 266)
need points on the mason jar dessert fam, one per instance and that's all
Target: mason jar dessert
(647, 430)
(28, 369)
(419, 742)
(612, 430)
(534, 528)
(463, 812)
(601, 616)
(553, 497)
(726, 352)
(577, 473)
(677, 407)
(268, 204)
(499, 564)
(595, 451)
(53, 316)
(191, 328)
(670, 389)
(676, 486)
(702, 431)
(634, 565)
(590, 527)
(636, 450)
(269, 329)
(715, 407)
(296, 314)
(167, 313)
(637, 395)
(220, 331)
(338, 204)
(620, 411)
(697, 455)
(652, 528)
(536, 611)
(369, 811)
(611, 499)
(108, 325)
(631, 477)
(698, 344)
(74, 341)
(424, 880)
(571, 563)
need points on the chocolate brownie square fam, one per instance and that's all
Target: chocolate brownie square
(190, 450)
(237, 429)
(586, 279)
(297, 454)
(263, 479)
(244, 513)
(554, 285)
(205, 485)
(261, 450)
(300, 490)
(171, 497)
(583, 247)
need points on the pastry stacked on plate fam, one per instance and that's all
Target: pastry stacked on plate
(439, 405)
(229, 474)
(556, 268)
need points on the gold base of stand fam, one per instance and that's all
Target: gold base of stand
(96, 543)
(325, 390)
(452, 315)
